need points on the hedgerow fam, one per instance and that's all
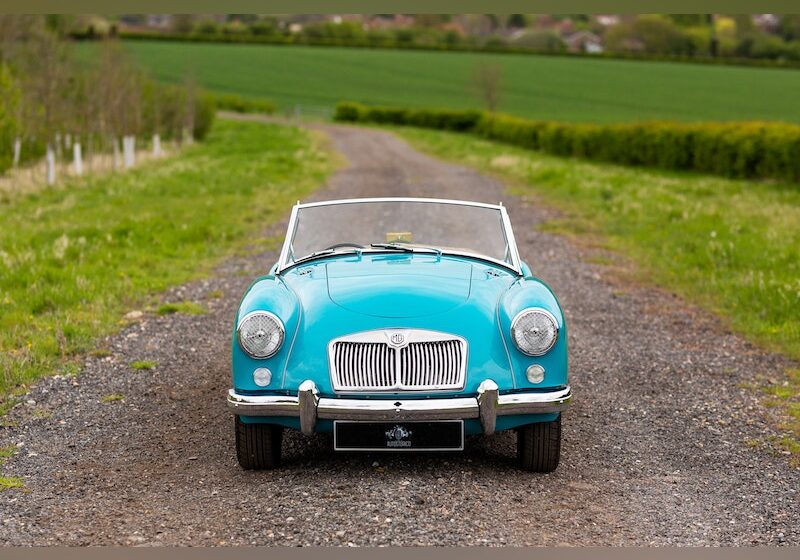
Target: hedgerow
(761, 150)
(240, 104)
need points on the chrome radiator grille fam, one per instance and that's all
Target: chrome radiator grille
(398, 360)
(364, 365)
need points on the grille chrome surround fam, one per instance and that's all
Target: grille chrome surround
(398, 360)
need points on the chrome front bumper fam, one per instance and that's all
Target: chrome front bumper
(487, 406)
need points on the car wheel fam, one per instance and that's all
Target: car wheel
(258, 446)
(539, 446)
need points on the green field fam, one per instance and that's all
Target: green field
(74, 259)
(557, 88)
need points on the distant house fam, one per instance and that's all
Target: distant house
(767, 22)
(159, 21)
(584, 41)
(390, 21)
(607, 20)
(563, 26)
(455, 27)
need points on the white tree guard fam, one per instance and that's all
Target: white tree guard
(17, 151)
(51, 165)
(77, 158)
(129, 151)
(157, 145)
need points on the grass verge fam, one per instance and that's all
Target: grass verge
(73, 259)
(731, 246)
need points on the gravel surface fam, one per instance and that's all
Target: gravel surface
(655, 447)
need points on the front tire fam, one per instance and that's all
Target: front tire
(258, 446)
(539, 446)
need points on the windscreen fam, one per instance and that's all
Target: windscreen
(459, 228)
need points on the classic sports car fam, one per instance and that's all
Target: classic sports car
(399, 324)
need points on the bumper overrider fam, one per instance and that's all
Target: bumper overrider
(487, 406)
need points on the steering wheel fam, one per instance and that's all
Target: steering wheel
(340, 245)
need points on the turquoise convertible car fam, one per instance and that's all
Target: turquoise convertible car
(399, 324)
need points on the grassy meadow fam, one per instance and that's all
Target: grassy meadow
(541, 87)
(731, 246)
(75, 257)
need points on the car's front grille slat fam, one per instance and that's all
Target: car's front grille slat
(427, 362)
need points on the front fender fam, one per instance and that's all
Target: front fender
(267, 293)
(522, 294)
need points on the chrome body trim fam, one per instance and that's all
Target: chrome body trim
(488, 404)
(307, 402)
(392, 409)
(534, 403)
(382, 360)
(263, 405)
(515, 265)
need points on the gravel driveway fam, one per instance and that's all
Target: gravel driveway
(655, 447)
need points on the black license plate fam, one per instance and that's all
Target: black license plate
(445, 435)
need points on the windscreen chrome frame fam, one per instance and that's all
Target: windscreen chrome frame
(284, 263)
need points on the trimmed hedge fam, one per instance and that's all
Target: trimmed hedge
(752, 150)
(239, 104)
(443, 119)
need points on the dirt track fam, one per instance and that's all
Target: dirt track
(654, 448)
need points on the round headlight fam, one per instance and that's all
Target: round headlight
(260, 334)
(534, 331)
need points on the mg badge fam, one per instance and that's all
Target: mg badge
(397, 339)
(398, 437)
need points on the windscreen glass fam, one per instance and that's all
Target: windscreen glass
(458, 228)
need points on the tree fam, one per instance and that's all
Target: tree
(649, 34)
(9, 125)
(431, 20)
(688, 20)
(476, 24)
(46, 75)
(243, 18)
(182, 23)
(487, 79)
(264, 27)
(744, 25)
(207, 27)
(517, 21)
(540, 40)
(15, 30)
(790, 26)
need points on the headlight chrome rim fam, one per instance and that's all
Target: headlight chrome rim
(541, 311)
(271, 316)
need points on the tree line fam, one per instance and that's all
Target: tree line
(707, 38)
(56, 105)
